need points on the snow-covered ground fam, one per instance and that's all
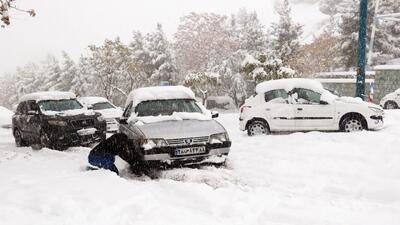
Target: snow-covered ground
(300, 178)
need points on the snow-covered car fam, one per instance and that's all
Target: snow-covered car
(304, 105)
(170, 127)
(110, 112)
(56, 120)
(391, 100)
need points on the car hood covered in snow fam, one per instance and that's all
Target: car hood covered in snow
(180, 128)
(110, 113)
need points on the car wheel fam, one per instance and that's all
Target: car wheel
(391, 105)
(45, 140)
(352, 124)
(19, 141)
(257, 128)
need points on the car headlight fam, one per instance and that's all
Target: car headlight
(57, 123)
(154, 143)
(376, 110)
(219, 138)
(100, 118)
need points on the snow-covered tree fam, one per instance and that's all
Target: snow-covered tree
(285, 34)
(238, 90)
(201, 42)
(9, 5)
(83, 82)
(51, 72)
(108, 65)
(203, 84)
(68, 71)
(346, 14)
(318, 56)
(263, 69)
(249, 32)
(160, 56)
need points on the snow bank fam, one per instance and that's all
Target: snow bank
(157, 93)
(289, 84)
(47, 95)
(5, 116)
(312, 178)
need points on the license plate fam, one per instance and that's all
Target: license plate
(191, 151)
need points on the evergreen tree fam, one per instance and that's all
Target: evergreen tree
(160, 56)
(286, 34)
(250, 33)
(67, 74)
(51, 73)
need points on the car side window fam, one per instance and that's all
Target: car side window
(21, 109)
(32, 106)
(277, 96)
(128, 111)
(306, 96)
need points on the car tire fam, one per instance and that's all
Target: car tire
(352, 124)
(19, 141)
(390, 105)
(44, 140)
(257, 127)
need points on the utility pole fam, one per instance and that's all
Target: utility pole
(362, 36)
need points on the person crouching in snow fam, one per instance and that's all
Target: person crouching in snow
(103, 154)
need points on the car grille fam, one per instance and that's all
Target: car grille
(83, 123)
(187, 141)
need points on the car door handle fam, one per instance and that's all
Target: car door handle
(267, 109)
(299, 109)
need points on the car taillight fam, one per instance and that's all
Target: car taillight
(243, 108)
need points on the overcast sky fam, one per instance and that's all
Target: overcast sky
(72, 25)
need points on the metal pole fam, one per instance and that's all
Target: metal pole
(371, 43)
(362, 36)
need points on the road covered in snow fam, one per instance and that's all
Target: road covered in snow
(299, 178)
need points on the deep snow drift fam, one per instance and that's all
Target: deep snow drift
(300, 178)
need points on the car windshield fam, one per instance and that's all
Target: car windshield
(102, 105)
(59, 105)
(166, 107)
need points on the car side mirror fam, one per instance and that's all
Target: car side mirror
(321, 102)
(90, 107)
(214, 114)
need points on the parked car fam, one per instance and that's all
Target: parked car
(170, 127)
(391, 100)
(110, 112)
(56, 120)
(304, 105)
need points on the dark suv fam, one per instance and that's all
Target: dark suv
(56, 120)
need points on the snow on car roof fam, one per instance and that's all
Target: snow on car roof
(92, 100)
(156, 93)
(289, 84)
(48, 95)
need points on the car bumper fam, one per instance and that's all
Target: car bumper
(166, 154)
(76, 137)
(376, 122)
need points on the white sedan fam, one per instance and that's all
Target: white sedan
(110, 112)
(304, 105)
(391, 100)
